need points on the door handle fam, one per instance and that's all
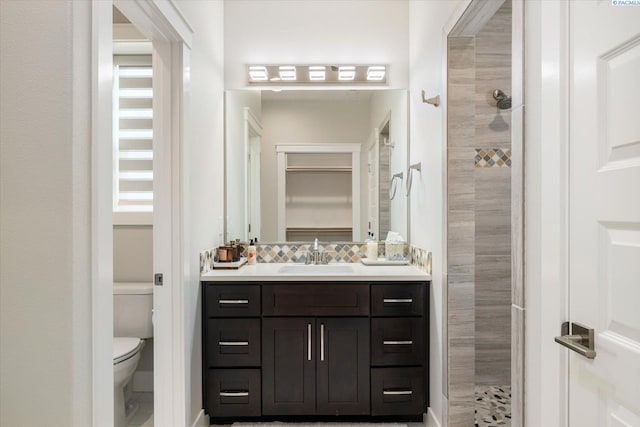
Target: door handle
(578, 338)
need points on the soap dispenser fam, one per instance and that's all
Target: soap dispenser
(372, 247)
(251, 253)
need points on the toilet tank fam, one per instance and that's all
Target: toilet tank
(132, 305)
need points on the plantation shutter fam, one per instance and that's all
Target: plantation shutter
(133, 134)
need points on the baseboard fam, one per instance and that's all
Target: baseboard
(201, 420)
(143, 381)
(430, 419)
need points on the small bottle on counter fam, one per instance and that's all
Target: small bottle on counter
(251, 253)
(372, 247)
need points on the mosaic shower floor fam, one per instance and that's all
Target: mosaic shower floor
(493, 406)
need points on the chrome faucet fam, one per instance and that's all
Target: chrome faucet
(315, 256)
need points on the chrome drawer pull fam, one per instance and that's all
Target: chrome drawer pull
(398, 300)
(309, 341)
(233, 301)
(322, 342)
(234, 393)
(397, 392)
(397, 342)
(233, 343)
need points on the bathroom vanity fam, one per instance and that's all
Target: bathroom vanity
(283, 341)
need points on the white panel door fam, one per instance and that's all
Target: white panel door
(604, 217)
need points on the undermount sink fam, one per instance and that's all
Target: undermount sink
(316, 269)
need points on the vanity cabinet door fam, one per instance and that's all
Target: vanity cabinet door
(342, 366)
(288, 366)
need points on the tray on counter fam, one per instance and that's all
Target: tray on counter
(234, 265)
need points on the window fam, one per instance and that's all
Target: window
(132, 139)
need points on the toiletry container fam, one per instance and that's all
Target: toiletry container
(372, 247)
(251, 253)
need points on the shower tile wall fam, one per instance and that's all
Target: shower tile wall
(479, 222)
(460, 231)
(384, 179)
(493, 204)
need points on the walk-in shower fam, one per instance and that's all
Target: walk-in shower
(480, 220)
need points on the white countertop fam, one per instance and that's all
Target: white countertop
(360, 272)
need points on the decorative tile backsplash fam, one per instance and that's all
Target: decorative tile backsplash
(492, 158)
(421, 258)
(338, 252)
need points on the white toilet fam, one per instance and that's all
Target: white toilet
(132, 305)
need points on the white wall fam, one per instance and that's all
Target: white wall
(546, 211)
(203, 169)
(304, 122)
(236, 157)
(427, 136)
(132, 253)
(316, 31)
(45, 249)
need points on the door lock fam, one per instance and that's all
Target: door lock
(578, 338)
(157, 279)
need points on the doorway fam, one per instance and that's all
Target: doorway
(170, 37)
(484, 218)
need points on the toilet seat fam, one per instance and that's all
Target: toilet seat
(125, 347)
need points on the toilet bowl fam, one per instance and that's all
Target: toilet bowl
(132, 307)
(126, 355)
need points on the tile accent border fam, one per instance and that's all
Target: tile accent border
(206, 260)
(291, 252)
(493, 157)
(421, 259)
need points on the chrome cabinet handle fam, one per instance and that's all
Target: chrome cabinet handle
(309, 341)
(234, 393)
(322, 342)
(397, 342)
(397, 392)
(233, 343)
(233, 301)
(397, 300)
(581, 339)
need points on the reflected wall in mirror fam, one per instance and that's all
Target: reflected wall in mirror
(302, 164)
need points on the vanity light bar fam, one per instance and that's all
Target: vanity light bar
(317, 73)
(376, 73)
(258, 73)
(301, 75)
(347, 73)
(288, 73)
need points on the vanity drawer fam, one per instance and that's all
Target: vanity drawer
(397, 299)
(397, 341)
(233, 342)
(232, 300)
(234, 393)
(397, 391)
(326, 299)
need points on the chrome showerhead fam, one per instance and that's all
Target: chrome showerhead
(504, 101)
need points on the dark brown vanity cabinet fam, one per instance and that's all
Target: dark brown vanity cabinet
(315, 366)
(282, 350)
